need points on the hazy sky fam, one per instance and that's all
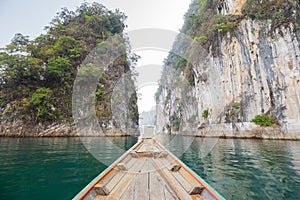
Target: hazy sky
(30, 16)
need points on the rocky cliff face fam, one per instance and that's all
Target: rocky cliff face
(19, 128)
(233, 7)
(253, 69)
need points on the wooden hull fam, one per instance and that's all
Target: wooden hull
(148, 171)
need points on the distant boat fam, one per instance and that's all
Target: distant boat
(148, 171)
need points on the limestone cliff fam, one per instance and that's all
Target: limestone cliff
(251, 67)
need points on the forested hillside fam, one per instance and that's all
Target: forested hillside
(37, 76)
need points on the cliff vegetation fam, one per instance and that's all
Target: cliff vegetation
(37, 76)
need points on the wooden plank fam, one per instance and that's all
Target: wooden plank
(100, 197)
(106, 185)
(129, 192)
(131, 162)
(133, 154)
(183, 182)
(156, 183)
(171, 180)
(81, 195)
(188, 182)
(126, 159)
(150, 178)
(165, 162)
(122, 166)
(90, 196)
(148, 146)
(189, 177)
(122, 185)
(169, 193)
(141, 183)
(101, 187)
(112, 183)
(158, 188)
(108, 177)
(197, 197)
(162, 154)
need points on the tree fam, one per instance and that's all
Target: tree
(36, 76)
(58, 70)
(40, 106)
(19, 43)
(68, 46)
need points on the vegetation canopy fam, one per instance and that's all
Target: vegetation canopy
(36, 76)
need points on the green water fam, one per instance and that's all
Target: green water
(51, 168)
(244, 169)
(58, 168)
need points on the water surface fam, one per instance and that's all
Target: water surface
(58, 168)
(52, 168)
(243, 169)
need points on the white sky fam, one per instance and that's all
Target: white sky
(29, 17)
(149, 69)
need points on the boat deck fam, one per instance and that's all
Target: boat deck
(148, 172)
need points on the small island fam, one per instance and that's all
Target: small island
(37, 76)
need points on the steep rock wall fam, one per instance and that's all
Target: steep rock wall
(259, 71)
(176, 105)
(252, 70)
(233, 7)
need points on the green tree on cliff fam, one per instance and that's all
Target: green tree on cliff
(36, 76)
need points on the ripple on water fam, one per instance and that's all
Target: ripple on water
(57, 168)
(249, 169)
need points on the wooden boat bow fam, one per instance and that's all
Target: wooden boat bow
(148, 171)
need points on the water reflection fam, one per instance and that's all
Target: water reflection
(179, 144)
(57, 168)
(107, 149)
(245, 169)
(51, 168)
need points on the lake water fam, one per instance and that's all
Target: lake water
(58, 168)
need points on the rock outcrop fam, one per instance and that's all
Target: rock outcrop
(80, 69)
(253, 69)
(18, 128)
